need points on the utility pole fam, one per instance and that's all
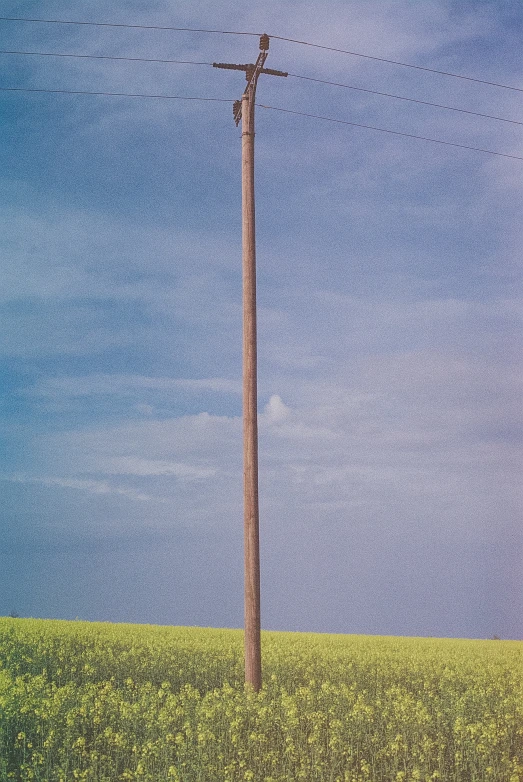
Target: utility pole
(244, 110)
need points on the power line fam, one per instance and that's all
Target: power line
(131, 26)
(386, 130)
(106, 57)
(294, 75)
(276, 37)
(261, 105)
(396, 62)
(114, 94)
(401, 97)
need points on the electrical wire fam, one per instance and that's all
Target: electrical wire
(276, 37)
(397, 62)
(131, 26)
(401, 97)
(293, 75)
(262, 106)
(106, 57)
(113, 94)
(386, 130)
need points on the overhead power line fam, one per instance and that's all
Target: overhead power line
(386, 130)
(276, 37)
(107, 57)
(294, 75)
(397, 62)
(114, 94)
(121, 24)
(401, 97)
(261, 105)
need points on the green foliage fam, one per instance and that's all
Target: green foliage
(102, 703)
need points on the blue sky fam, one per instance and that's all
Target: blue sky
(389, 295)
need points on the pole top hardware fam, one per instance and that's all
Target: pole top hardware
(237, 111)
(247, 68)
(252, 71)
(272, 72)
(231, 66)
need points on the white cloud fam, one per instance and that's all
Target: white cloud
(124, 384)
(276, 410)
(194, 444)
(145, 467)
(87, 485)
(414, 428)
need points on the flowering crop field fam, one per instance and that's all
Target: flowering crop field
(106, 702)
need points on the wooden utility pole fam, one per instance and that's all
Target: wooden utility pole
(244, 110)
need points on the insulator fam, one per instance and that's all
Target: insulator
(249, 72)
(264, 43)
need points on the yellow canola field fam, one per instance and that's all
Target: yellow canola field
(105, 702)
